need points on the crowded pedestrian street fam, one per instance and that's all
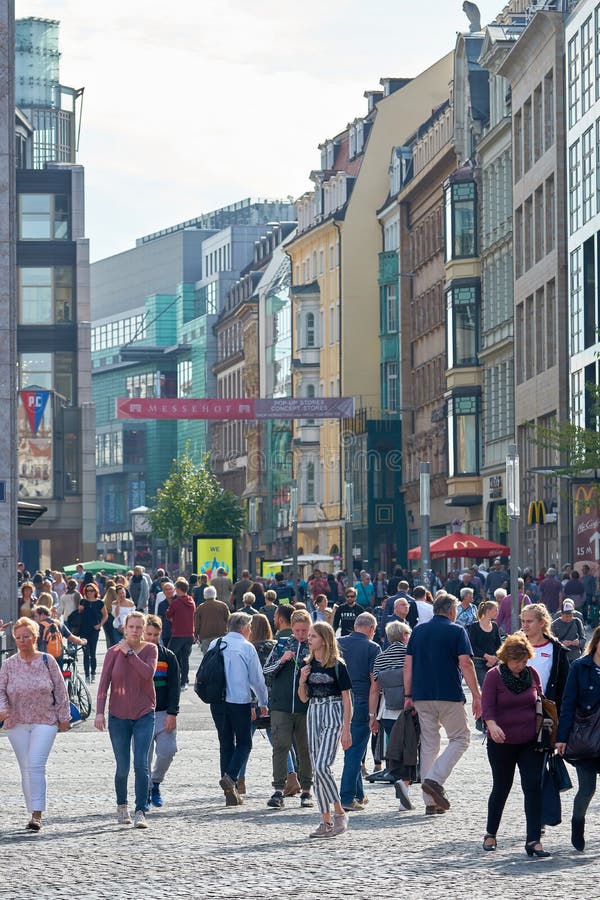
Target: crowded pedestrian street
(195, 846)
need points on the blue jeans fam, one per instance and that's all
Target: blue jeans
(234, 727)
(291, 765)
(122, 732)
(351, 787)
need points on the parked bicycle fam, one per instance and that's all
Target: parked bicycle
(78, 691)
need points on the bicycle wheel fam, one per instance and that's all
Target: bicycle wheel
(83, 699)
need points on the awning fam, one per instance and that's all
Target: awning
(456, 546)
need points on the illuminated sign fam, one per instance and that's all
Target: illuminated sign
(536, 514)
(212, 552)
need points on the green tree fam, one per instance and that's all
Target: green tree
(191, 501)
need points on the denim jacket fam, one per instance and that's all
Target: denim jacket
(582, 692)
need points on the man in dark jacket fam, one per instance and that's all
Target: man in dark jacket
(347, 613)
(166, 685)
(288, 712)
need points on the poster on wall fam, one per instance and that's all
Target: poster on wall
(212, 552)
(586, 526)
(35, 442)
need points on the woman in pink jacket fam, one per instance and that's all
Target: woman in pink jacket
(34, 705)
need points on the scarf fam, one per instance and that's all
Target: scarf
(515, 683)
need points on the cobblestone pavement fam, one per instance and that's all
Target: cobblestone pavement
(195, 847)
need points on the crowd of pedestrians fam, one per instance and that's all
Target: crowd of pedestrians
(367, 666)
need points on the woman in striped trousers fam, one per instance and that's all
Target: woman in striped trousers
(324, 681)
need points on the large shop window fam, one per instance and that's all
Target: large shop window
(43, 217)
(45, 295)
(463, 435)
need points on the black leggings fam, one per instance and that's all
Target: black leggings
(504, 758)
(586, 776)
(89, 651)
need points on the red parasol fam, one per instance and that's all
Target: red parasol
(455, 546)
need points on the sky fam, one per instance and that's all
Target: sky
(194, 104)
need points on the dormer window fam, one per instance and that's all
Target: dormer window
(360, 136)
(352, 142)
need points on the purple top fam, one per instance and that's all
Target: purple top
(505, 611)
(514, 713)
(550, 589)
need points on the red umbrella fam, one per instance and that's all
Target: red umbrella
(458, 545)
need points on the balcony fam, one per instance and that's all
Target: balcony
(388, 267)
(306, 356)
(307, 434)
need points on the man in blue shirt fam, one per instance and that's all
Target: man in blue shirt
(233, 716)
(438, 654)
(360, 652)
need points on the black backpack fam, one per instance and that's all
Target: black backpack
(210, 684)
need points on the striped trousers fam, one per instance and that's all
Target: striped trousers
(324, 725)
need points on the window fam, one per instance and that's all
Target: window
(518, 145)
(463, 436)
(527, 135)
(45, 295)
(598, 164)
(518, 242)
(577, 399)
(574, 187)
(461, 234)
(549, 213)
(211, 298)
(550, 326)
(597, 49)
(391, 309)
(549, 108)
(528, 233)
(539, 223)
(587, 65)
(573, 80)
(462, 324)
(43, 217)
(184, 378)
(310, 483)
(587, 174)
(576, 301)
(391, 396)
(143, 386)
(310, 330)
(52, 371)
(538, 123)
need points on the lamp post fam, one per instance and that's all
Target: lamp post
(513, 510)
(425, 503)
(348, 512)
(294, 521)
(253, 529)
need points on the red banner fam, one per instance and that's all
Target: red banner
(282, 408)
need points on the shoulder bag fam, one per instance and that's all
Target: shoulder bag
(584, 739)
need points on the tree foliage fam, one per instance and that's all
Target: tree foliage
(191, 501)
(576, 448)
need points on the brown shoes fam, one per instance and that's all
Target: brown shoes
(232, 797)
(436, 792)
(292, 785)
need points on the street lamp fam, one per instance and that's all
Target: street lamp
(253, 515)
(348, 513)
(294, 521)
(513, 511)
(425, 503)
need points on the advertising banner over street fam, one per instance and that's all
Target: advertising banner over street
(586, 525)
(212, 552)
(249, 408)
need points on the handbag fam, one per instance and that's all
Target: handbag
(261, 722)
(547, 722)
(561, 774)
(551, 805)
(584, 739)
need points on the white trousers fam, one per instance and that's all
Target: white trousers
(32, 745)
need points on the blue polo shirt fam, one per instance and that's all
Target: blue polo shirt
(435, 647)
(359, 655)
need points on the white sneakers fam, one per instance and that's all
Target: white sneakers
(123, 817)
(139, 819)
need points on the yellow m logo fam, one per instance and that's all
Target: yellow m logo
(536, 514)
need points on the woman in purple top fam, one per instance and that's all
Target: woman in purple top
(508, 701)
(128, 671)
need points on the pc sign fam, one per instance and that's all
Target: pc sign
(35, 404)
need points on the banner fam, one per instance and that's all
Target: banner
(35, 405)
(586, 526)
(212, 552)
(281, 408)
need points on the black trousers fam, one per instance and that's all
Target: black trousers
(504, 759)
(182, 647)
(89, 651)
(234, 726)
(587, 772)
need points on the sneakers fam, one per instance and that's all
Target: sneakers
(292, 785)
(276, 801)
(306, 800)
(355, 806)
(155, 796)
(123, 817)
(402, 795)
(92, 679)
(232, 798)
(324, 830)
(139, 819)
(436, 792)
(340, 825)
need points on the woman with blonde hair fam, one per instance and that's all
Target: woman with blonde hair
(27, 599)
(550, 659)
(34, 706)
(510, 692)
(325, 685)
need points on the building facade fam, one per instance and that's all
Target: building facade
(55, 419)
